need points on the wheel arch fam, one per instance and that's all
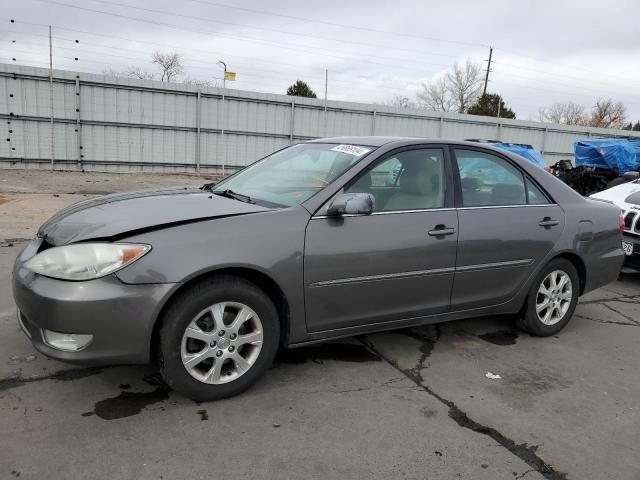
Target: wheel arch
(263, 281)
(579, 265)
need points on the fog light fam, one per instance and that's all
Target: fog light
(71, 342)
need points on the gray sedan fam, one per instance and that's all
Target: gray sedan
(320, 240)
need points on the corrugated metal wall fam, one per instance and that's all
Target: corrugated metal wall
(104, 123)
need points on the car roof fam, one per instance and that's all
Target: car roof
(379, 141)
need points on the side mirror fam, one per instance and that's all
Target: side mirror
(631, 176)
(351, 204)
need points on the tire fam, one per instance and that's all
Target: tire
(561, 305)
(245, 348)
(615, 182)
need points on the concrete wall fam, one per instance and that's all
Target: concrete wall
(120, 124)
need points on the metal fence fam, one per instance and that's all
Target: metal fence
(120, 124)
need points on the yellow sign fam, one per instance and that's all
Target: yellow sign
(229, 75)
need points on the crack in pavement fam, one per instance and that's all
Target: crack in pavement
(612, 322)
(62, 375)
(524, 452)
(522, 475)
(427, 343)
(633, 299)
(626, 317)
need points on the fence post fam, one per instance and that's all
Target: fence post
(441, 127)
(544, 141)
(222, 141)
(78, 124)
(198, 100)
(373, 123)
(292, 120)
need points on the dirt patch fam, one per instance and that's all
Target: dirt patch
(29, 197)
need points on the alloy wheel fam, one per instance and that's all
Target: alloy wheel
(221, 343)
(554, 297)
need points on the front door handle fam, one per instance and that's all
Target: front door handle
(548, 222)
(441, 231)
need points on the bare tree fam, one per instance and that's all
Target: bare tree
(605, 114)
(457, 90)
(111, 72)
(565, 113)
(137, 72)
(465, 84)
(401, 101)
(198, 82)
(170, 65)
(608, 114)
(435, 96)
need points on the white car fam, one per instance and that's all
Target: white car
(627, 197)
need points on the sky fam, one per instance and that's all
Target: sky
(544, 51)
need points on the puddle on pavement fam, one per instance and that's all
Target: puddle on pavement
(128, 403)
(501, 337)
(131, 403)
(341, 352)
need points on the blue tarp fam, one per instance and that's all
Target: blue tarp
(635, 142)
(526, 151)
(609, 153)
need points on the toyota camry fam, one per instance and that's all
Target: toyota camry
(320, 240)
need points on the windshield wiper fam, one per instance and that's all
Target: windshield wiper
(236, 196)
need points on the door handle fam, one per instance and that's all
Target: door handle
(548, 222)
(441, 231)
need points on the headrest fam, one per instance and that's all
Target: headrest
(417, 176)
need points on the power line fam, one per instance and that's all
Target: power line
(218, 34)
(83, 51)
(556, 74)
(279, 31)
(403, 34)
(204, 19)
(572, 86)
(341, 25)
(625, 95)
(550, 62)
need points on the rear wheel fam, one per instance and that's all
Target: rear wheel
(552, 299)
(218, 338)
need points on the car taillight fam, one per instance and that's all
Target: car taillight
(621, 224)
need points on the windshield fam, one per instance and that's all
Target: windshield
(291, 176)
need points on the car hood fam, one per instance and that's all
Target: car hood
(125, 213)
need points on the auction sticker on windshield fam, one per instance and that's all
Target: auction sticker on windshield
(351, 149)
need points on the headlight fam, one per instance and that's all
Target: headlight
(85, 261)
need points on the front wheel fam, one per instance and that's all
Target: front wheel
(218, 338)
(552, 299)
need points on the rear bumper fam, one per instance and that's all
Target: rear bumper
(119, 316)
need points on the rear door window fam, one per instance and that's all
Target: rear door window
(488, 180)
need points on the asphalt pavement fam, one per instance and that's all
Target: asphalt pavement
(471, 399)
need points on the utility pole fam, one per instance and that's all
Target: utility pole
(51, 94)
(326, 81)
(486, 78)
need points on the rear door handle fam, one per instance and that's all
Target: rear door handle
(441, 231)
(548, 222)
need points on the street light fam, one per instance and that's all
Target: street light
(224, 76)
